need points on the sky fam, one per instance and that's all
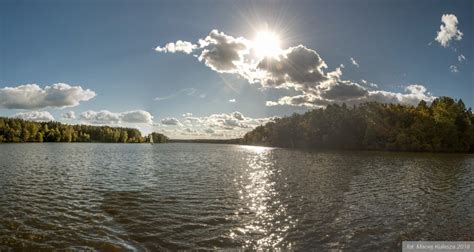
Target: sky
(217, 69)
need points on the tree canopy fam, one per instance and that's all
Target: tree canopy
(13, 130)
(446, 125)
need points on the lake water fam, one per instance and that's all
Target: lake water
(120, 197)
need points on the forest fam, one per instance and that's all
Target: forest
(13, 130)
(445, 125)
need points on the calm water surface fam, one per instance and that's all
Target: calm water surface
(119, 197)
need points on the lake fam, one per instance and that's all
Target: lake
(139, 197)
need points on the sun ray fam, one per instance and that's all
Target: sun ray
(267, 44)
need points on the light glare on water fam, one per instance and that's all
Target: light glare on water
(127, 197)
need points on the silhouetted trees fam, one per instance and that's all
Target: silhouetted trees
(13, 130)
(444, 126)
(158, 138)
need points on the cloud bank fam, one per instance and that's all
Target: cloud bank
(69, 115)
(298, 68)
(38, 116)
(106, 117)
(170, 121)
(32, 96)
(224, 125)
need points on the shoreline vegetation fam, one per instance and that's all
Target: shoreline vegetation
(445, 125)
(14, 130)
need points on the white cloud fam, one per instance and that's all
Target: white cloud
(295, 67)
(354, 62)
(106, 117)
(186, 91)
(304, 100)
(220, 52)
(170, 121)
(192, 120)
(187, 114)
(136, 116)
(69, 115)
(179, 46)
(453, 69)
(342, 90)
(232, 100)
(238, 116)
(369, 84)
(298, 68)
(223, 53)
(32, 96)
(225, 125)
(189, 130)
(209, 131)
(100, 117)
(41, 116)
(448, 30)
(412, 96)
(461, 58)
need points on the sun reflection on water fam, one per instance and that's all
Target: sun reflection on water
(255, 149)
(266, 221)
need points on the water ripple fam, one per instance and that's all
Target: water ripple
(112, 197)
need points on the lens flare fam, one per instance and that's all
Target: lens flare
(267, 44)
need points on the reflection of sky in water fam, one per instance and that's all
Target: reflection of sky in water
(269, 221)
(205, 197)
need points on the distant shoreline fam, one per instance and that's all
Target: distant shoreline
(444, 126)
(224, 141)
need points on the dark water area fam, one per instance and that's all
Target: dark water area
(126, 197)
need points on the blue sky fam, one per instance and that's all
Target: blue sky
(109, 47)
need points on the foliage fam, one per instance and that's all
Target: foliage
(13, 130)
(158, 138)
(444, 126)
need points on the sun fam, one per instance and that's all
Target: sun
(267, 44)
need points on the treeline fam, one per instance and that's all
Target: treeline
(158, 138)
(13, 130)
(446, 125)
